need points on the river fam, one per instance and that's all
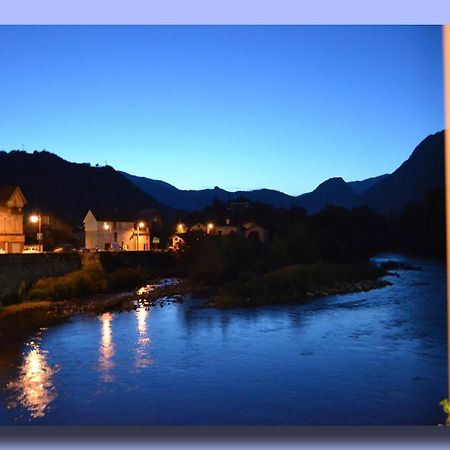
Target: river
(377, 357)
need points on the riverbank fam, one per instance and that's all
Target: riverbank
(19, 320)
(94, 292)
(63, 275)
(299, 283)
(245, 359)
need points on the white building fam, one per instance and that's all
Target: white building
(115, 231)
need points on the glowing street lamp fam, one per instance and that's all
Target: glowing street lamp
(140, 226)
(36, 218)
(180, 228)
(107, 227)
(210, 227)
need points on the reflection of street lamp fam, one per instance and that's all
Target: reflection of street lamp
(210, 227)
(36, 218)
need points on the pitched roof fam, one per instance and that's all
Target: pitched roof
(6, 193)
(114, 216)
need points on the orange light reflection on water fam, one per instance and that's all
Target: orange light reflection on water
(143, 341)
(106, 348)
(34, 389)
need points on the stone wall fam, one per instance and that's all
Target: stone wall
(19, 271)
(155, 262)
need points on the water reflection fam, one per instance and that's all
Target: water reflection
(143, 341)
(166, 282)
(106, 348)
(33, 388)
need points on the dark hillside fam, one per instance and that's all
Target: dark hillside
(68, 189)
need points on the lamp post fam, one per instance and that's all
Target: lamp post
(139, 226)
(36, 218)
(107, 226)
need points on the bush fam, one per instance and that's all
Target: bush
(122, 279)
(85, 282)
(293, 283)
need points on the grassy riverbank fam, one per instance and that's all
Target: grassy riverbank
(298, 283)
(53, 300)
(86, 282)
(22, 319)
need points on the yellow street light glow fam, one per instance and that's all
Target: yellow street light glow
(210, 226)
(106, 226)
(34, 219)
(141, 224)
(180, 228)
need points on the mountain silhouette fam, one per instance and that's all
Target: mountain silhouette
(194, 200)
(359, 187)
(334, 191)
(422, 172)
(69, 190)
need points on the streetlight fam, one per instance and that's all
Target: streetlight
(140, 225)
(36, 218)
(180, 228)
(210, 227)
(107, 227)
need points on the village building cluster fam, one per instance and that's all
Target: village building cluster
(248, 230)
(101, 231)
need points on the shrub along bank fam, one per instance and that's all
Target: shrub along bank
(245, 272)
(96, 274)
(85, 282)
(298, 283)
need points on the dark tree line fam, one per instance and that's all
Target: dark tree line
(334, 235)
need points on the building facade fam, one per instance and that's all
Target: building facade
(256, 231)
(115, 232)
(55, 232)
(12, 237)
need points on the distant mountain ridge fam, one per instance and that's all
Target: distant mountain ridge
(334, 191)
(67, 189)
(423, 171)
(361, 186)
(192, 200)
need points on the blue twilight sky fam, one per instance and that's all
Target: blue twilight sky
(241, 107)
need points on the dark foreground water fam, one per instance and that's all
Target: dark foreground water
(377, 357)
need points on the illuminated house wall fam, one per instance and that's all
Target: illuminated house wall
(106, 231)
(12, 237)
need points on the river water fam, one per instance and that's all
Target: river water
(377, 357)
